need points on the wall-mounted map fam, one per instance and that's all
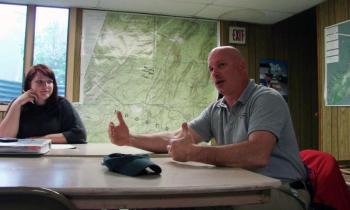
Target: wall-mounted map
(152, 68)
(337, 63)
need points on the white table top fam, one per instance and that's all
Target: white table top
(90, 185)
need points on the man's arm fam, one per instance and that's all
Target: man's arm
(156, 142)
(251, 154)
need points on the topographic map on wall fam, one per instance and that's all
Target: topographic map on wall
(337, 63)
(151, 68)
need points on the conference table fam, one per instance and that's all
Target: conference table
(94, 150)
(90, 185)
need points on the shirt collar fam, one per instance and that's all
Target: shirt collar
(248, 91)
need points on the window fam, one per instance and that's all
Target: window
(50, 45)
(12, 37)
(50, 41)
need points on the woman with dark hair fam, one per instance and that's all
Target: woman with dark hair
(40, 113)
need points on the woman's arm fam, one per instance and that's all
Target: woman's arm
(56, 138)
(10, 124)
(73, 128)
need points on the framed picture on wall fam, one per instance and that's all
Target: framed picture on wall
(274, 74)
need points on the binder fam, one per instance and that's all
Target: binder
(10, 146)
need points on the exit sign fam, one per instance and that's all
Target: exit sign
(237, 35)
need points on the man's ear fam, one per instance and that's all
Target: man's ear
(242, 65)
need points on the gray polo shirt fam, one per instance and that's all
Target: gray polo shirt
(258, 108)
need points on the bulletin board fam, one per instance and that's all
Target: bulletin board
(337, 64)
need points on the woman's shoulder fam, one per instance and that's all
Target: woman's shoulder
(62, 101)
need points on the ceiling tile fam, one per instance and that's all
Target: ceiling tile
(271, 5)
(254, 11)
(175, 8)
(60, 3)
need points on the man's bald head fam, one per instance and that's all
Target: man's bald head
(228, 50)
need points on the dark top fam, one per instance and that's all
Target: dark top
(52, 118)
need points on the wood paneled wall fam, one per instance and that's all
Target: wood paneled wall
(334, 121)
(3, 109)
(2, 115)
(258, 44)
(292, 40)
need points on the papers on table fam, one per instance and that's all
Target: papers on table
(62, 146)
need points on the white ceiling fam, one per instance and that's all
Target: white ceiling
(251, 11)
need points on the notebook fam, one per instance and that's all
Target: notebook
(24, 146)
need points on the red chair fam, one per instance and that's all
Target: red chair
(329, 188)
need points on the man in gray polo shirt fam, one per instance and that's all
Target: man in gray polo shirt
(252, 128)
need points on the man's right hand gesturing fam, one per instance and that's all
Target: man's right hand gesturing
(119, 134)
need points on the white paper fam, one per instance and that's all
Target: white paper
(62, 146)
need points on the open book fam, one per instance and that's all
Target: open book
(24, 146)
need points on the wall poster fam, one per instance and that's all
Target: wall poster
(274, 74)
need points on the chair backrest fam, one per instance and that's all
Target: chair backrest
(33, 198)
(329, 187)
